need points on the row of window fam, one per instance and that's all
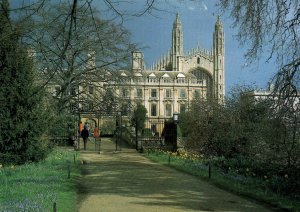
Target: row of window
(139, 92)
(154, 93)
(163, 80)
(167, 109)
(89, 106)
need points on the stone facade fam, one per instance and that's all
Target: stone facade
(165, 88)
(170, 84)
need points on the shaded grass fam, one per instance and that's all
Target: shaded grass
(36, 186)
(246, 186)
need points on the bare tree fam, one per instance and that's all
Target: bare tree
(73, 45)
(83, 50)
(274, 27)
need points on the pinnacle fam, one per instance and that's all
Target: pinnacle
(177, 20)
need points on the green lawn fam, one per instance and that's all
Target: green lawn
(242, 185)
(36, 186)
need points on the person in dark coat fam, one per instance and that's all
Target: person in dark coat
(85, 135)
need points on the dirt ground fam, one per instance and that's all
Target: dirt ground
(127, 181)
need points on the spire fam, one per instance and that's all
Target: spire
(177, 42)
(218, 23)
(177, 20)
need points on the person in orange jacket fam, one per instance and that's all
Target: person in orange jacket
(96, 133)
(80, 127)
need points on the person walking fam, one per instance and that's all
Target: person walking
(96, 133)
(85, 135)
(80, 128)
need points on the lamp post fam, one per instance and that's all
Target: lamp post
(175, 117)
(118, 127)
(120, 130)
(175, 120)
(79, 119)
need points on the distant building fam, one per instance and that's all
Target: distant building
(169, 85)
(260, 94)
(281, 103)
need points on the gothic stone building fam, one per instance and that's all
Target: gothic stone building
(169, 85)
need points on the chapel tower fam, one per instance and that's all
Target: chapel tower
(177, 44)
(219, 52)
(137, 61)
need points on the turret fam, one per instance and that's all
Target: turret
(219, 58)
(177, 42)
(137, 61)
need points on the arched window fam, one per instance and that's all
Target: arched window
(203, 76)
(198, 60)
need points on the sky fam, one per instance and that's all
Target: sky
(153, 30)
(198, 17)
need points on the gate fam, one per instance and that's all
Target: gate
(158, 133)
(152, 136)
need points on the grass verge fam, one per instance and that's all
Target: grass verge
(37, 186)
(242, 185)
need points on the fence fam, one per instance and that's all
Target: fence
(158, 133)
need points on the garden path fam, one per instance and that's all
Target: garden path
(127, 181)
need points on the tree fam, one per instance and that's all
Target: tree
(274, 27)
(23, 119)
(138, 119)
(271, 26)
(82, 55)
(212, 126)
(74, 47)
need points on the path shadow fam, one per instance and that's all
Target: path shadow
(128, 174)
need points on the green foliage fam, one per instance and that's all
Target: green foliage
(139, 117)
(248, 134)
(63, 125)
(22, 111)
(108, 127)
(147, 133)
(211, 132)
(234, 175)
(125, 136)
(35, 186)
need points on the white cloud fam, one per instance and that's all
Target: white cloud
(204, 6)
(191, 8)
(191, 5)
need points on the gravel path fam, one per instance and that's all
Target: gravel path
(127, 181)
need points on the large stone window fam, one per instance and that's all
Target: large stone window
(197, 93)
(168, 110)
(139, 93)
(125, 93)
(182, 108)
(153, 109)
(168, 93)
(182, 93)
(204, 76)
(153, 93)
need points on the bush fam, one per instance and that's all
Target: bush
(126, 137)
(108, 127)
